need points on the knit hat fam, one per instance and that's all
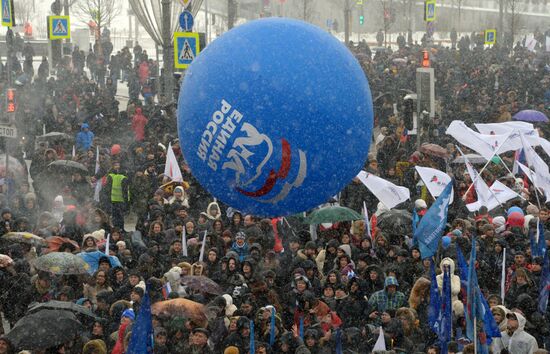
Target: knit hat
(499, 222)
(231, 350)
(129, 313)
(390, 281)
(115, 149)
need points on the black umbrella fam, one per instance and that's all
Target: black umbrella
(67, 166)
(44, 329)
(395, 222)
(61, 305)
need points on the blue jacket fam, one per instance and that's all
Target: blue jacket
(241, 251)
(84, 139)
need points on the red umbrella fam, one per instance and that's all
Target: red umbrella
(434, 150)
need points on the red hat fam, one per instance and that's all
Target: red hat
(115, 149)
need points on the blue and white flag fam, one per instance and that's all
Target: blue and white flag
(431, 227)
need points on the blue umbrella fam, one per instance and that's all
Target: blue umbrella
(530, 115)
(92, 258)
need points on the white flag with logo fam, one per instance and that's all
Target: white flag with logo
(434, 180)
(499, 194)
(380, 342)
(530, 42)
(171, 167)
(388, 193)
(482, 190)
(547, 44)
(541, 178)
(485, 145)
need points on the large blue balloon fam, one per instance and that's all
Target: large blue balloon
(515, 209)
(275, 117)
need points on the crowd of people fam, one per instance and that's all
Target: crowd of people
(292, 292)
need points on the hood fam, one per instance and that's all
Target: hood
(347, 249)
(228, 300)
(179, 189)
(390, 281)
(217, 215)
(521, 321)
(447, 261)
(84, 126)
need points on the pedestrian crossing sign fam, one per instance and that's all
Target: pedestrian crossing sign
(429, 10)
(490, 36)
(59, 27)
(186, 48)
(7, 13)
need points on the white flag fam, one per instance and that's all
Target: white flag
(503, 128)
(171, 167)
(73, 153)
(485, 145)
(184, 242)
(540, 178)
(388, 193)
(435, 180)
(97, 188)
(482, 190)
(530, 42)
(503, 274)
(201, 255)
(498, 194)
(367, 219)
(547, 44)
(107, 244)
(380, 342)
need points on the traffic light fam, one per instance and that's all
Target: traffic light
(361, 19)
(10, 100)
(408, 113)
(425, 59)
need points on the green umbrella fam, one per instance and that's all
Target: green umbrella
(332, 214)
(62, 263)
(25, 237)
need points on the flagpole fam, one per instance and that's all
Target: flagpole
(475, 179)
(475, 334)
(488, 161)
(529, 165)
(503, 276)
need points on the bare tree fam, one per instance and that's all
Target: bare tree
(24, 12)
(102, 12)
(513, 18)
(388, 16)
(307, 10)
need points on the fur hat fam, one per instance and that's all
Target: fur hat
(96, 346)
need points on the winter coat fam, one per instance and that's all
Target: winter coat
(139, 121)
(520, 342)
(84, 139)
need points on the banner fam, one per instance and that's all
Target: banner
(503, 128)
(435, 180)
(386, 192)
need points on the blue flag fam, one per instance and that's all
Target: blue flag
(272, 328)
(141, 339)
(478, 311)
(415, 221)
(542, 241)
(462, 265)
(431, 227)
(339, 348)
(252, 349)
(435, 300)
(544, 284)
(444, 321)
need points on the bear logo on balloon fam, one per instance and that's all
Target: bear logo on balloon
(249, 155)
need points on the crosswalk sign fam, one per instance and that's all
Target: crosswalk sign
(7, 13)
(186, 48)
(429, 10)
(490, 36)
(59, 27)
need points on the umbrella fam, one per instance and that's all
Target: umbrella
(400, 61)
(54, 136)
(62, 263)
(434, 150)
(69, 166)
(25, 237)
(5, 261)
(15, 167)
(473, 158)
(530, 115)
(92, 258)
(380, 96)
(55, 242)
(180, 307)
(62, 305)
(202, 284)
(44, 329)
(395, 222)
(332, 214)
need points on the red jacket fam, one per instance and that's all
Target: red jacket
(138, 125)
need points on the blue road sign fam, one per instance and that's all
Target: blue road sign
(186, 48)
(59, 27)
(186, 21)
